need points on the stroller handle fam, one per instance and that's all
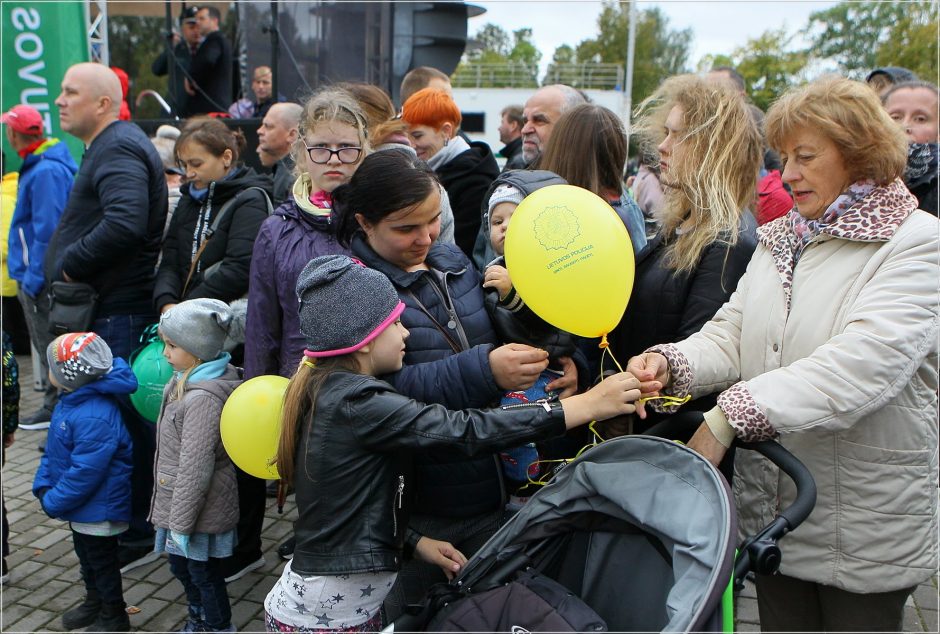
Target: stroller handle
(797, 512)
(760, 552)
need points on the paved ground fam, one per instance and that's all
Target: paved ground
(45, 581)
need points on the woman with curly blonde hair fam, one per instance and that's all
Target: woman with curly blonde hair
(710, 152)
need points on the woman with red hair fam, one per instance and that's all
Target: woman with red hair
(464, 169)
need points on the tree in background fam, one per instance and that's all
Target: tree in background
(564, 54)
(494, 63)
(659, 53)
(492, 45)
(860, 36)
(912, 42)
(768, 66)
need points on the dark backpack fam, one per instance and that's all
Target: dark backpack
(531, 602)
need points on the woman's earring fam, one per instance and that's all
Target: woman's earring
(446, 141)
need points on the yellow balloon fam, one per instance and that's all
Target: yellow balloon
(570, 259)
(251, 424)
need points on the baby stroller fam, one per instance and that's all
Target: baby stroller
(636, 535)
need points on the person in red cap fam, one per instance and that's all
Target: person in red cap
(45, 182)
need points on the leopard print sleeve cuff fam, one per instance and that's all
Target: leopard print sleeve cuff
(680, 374)
(744, 414)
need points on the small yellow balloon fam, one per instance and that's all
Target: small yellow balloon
(570, 259)
(251, 424)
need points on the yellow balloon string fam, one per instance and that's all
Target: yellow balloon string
(605, 347)
(597, 439)
(668, 400)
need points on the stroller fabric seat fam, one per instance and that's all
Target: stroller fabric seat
(530, 603)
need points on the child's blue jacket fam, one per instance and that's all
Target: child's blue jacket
(87, 464)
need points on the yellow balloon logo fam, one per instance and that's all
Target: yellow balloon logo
(570, 259)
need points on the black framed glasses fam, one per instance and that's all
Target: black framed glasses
(321, 155)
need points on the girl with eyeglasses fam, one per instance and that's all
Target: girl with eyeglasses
(331, 145)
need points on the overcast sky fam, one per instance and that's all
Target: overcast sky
(718, 26)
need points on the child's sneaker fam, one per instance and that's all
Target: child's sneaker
(194, 621)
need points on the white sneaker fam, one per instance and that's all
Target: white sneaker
(34, 426)
(40, 419)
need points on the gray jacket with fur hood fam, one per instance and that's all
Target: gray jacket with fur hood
(194, 487)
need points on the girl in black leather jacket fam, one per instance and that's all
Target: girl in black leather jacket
(345, 441)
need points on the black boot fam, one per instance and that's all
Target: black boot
(84, 614)
(112, 618)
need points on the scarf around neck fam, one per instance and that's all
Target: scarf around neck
(805, 229)
(922, 163)
(208, 369)
(199, 195)
(317, 203)
(447, 153)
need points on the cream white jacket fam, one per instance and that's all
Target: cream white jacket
(838, 355)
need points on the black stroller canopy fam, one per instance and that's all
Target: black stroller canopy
(641, 528)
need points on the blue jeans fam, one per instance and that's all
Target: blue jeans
(205, 587)
(122, 334)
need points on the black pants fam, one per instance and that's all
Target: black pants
(99, 564)
(786, 604)
(205, 588)
(252, 501)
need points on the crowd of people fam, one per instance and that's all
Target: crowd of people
(786, 271)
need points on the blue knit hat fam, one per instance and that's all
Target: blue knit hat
(343, 305)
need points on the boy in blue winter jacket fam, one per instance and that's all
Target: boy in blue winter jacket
(84, 476)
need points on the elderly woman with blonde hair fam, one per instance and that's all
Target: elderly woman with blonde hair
(830, 345)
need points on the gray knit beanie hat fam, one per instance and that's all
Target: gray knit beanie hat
(198, 326)
(78, 358)
(504, 193)
(343, 305)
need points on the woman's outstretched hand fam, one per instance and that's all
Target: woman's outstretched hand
(611, 397)
(651, 368)
(442, 554)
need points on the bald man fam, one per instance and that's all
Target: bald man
(109, 237)
(541, 112)
(278, 132)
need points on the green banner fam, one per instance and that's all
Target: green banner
(40, 41)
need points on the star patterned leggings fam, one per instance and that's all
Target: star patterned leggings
(273, 625)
